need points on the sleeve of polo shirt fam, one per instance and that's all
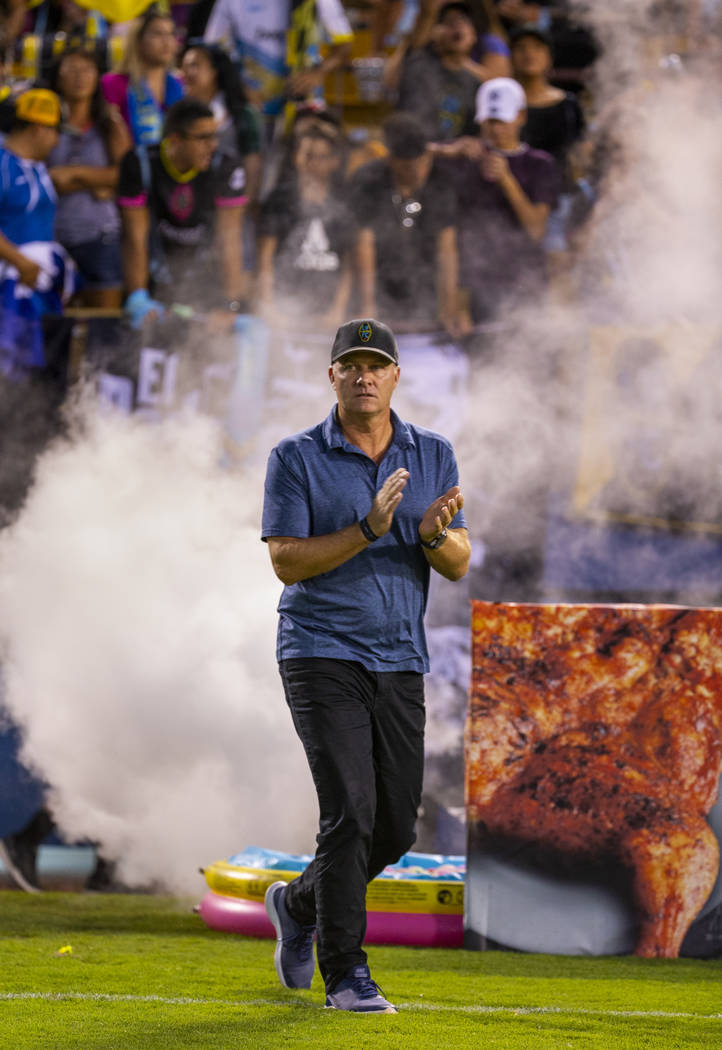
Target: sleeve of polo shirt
(230, 184)
(286, 504)
(131, 191)
(450, 475)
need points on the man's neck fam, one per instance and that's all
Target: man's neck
(19, 145)
(173, 162)
(453, 60)
(536, 88)
(314, 191)
(372, 434)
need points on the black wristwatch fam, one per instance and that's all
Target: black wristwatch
(433, 545)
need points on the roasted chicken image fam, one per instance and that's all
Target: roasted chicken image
(593, 733)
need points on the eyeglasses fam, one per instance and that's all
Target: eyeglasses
(203, 136)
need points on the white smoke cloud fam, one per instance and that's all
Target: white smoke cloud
(137, 608)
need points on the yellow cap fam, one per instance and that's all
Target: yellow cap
(38, 106)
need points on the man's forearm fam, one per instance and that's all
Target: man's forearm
(447, 272)
(228, 238)
(10, 252)
(451, 559)
(533, 217)
(299, 558)
(135, 248)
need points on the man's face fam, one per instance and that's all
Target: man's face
(316, 158)
(455, 33)
(44, 141)
(364, 383)
(410, 172)
(530, 57)
(196, 147)
(500, 134)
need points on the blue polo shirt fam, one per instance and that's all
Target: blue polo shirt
(371, 608)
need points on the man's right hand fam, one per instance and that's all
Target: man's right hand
(28, 271)
(387, 500)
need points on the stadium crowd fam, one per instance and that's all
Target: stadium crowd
(141, 158)
(131, 177)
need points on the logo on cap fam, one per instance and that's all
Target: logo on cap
(365, 332)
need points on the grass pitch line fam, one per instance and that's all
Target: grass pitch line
(103, 997)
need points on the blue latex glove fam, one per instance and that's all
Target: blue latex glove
(139, 304)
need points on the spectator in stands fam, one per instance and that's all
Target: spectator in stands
(60, 23)
(554, 123)
(211, 77)
(554, 118)
(406, 245)
(145, 88)
(437, 86)
(84, 168)
(573, 43)
(34, 281)
(182, 210)
(505, 196)
(276, 43)
(488, 56)
(306, 234)
(35, 274)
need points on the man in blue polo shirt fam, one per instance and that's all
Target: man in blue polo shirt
(357, 511)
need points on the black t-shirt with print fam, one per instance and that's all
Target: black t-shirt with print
(183, 215)
(406, 236)
(312, 241)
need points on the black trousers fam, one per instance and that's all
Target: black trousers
(363, 733)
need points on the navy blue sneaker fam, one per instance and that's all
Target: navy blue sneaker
(357, 992)
(293, 958)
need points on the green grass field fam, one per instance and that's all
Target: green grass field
(145, 973)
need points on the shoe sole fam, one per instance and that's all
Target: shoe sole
(15, 872)
(272, 913)
(374, 1013)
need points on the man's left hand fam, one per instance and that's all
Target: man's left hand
(440, 513)
(494, 166)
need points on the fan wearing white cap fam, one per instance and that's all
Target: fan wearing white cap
(501, 112)
(505, 191)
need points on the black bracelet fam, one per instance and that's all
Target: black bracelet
(367, 530)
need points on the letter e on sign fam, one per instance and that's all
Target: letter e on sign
(156, 377)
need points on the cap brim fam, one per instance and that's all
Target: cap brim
(367, 350)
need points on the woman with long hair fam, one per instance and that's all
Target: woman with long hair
(144, 87)
(84, 168)
(210, 76)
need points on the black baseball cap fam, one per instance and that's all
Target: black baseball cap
(454, 5)
(530, 29)
(365, 333)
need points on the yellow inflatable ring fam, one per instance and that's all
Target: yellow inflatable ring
(410, 896)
